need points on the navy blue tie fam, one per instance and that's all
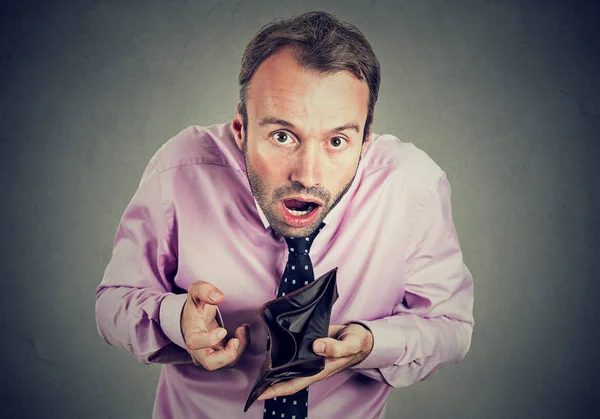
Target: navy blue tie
(298, 273)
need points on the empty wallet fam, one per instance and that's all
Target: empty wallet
(294, 321)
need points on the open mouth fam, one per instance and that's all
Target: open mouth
(299, 213)
(299, 208)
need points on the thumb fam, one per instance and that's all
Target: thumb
(204, 292)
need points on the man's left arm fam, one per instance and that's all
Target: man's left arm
(432, 326)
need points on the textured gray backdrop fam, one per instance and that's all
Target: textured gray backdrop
(504, 95)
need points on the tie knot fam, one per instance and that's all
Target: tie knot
(301, 245)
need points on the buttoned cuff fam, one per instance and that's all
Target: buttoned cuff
(388, 345)
(171, 309)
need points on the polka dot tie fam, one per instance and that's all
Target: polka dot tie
(298, 273)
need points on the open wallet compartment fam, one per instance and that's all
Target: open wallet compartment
(294, 321)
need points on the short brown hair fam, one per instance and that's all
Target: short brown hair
(319, 42)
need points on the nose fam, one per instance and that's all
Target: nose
(307, 166)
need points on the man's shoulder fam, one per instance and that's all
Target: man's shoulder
(401, 158)
(209, 145)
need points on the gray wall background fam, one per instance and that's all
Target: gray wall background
(504, 95)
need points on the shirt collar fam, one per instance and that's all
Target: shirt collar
(261, 214)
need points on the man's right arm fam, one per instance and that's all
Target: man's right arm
(135, 305)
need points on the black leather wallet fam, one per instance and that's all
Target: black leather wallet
(294, 321)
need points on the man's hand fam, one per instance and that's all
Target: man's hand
(205, 340)
(347, 346)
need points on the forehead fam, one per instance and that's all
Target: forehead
(283, 89)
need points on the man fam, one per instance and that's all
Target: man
(205, 240)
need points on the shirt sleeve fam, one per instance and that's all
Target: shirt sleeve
(137, 305)
(432, 326)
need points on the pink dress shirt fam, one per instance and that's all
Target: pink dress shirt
(400, 273)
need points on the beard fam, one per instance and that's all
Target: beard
(268, 202)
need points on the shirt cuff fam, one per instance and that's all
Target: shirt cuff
(386, 342)
(171, 309)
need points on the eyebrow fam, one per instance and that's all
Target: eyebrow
(269, 120)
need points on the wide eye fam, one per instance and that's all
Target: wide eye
(281, 137)
(337, 142)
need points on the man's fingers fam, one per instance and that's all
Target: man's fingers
(332, 366)
(213, 359)
(287, 388)
(215, 356)
(204, 292)
(242, 334)
(295, 385)
(198, 339)
(333, 348)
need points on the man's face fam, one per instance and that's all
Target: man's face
(303, 142)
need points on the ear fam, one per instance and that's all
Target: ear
(366, 143)
(238, 128)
